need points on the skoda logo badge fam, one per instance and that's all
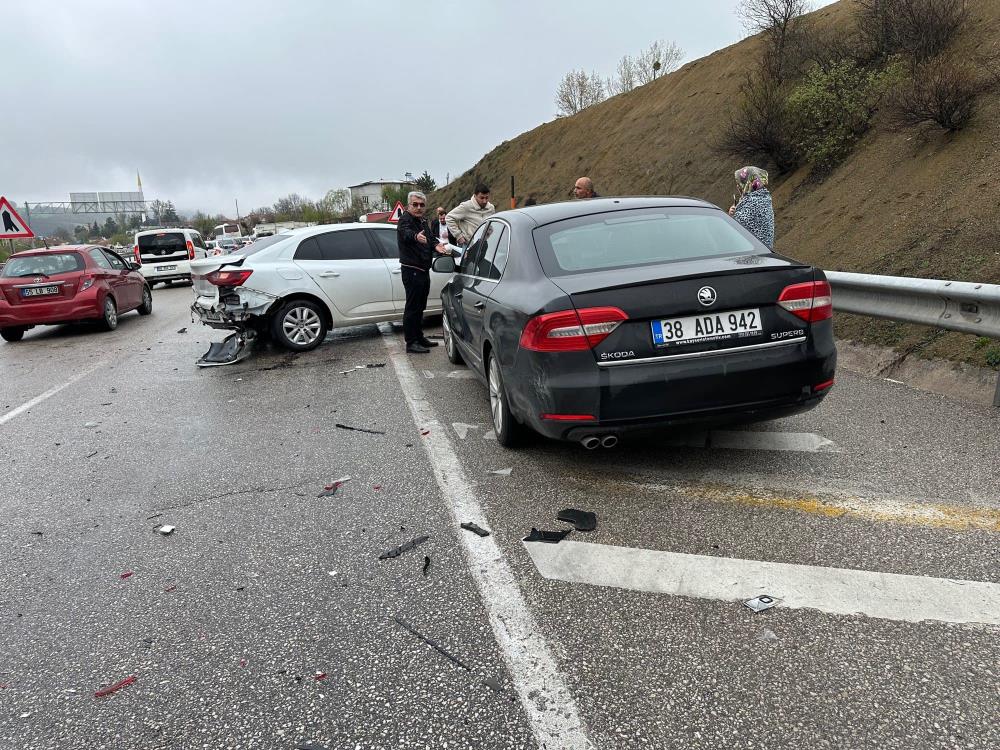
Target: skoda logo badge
(706, 296)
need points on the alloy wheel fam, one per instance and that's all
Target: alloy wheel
(110, 313)
(301, 325)
(496, 398)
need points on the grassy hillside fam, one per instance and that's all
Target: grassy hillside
(915, 202)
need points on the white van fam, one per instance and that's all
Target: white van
(165, 254)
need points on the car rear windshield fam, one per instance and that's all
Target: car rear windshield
(257, 245)
(171, 241)
(48, 264)
(640, 237)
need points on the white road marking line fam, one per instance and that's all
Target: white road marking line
(839, 591)
(806, 442)
(556, 720)
(462, 429)
(48, 394)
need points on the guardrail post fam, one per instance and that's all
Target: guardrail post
(996, 396)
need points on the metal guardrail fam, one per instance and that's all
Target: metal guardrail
(961, 306)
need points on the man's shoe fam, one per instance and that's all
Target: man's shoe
(428, 343)
(417, 348)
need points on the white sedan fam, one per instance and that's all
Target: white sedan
(301, 284)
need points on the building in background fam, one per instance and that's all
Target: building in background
(369, 194)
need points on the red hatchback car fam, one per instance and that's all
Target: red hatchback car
(68, 284)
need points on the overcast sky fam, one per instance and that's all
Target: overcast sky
(213, 101)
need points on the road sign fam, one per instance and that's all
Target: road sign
(397, 213)
(12, 226)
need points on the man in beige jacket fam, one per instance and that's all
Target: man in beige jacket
(464, 219)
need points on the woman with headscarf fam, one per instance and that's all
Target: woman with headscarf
(753, 208)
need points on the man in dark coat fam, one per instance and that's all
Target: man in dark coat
(439, 227)
(417, 245)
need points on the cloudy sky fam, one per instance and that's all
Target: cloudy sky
(214, 100)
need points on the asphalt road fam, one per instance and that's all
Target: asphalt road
(267, 620)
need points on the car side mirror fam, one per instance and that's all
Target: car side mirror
(444, 264)
(131, 265)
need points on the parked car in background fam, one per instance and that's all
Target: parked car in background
(591, 319)
(163, 254)
(299, 285)
(69, 284)
(226, 245)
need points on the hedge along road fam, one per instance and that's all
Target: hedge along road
(263, 587)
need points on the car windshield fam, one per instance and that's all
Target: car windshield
(258, 245)
(48, 264)
(640, 237)
(170, 241)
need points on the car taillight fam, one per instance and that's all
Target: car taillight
(811, 301)
(138, 258)
(190, 247)
(228, 278)
(825, 385)
(86, 282)
(571, 330)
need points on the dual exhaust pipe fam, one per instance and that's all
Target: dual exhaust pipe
(590, 442)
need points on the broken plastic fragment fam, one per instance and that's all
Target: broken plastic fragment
(405, 547)
(427, 563)
(89, 425)
(127, 574)
(502, 472)
(358, 429)
(760, 603)
(552, 537)
(331, 489)
(377, 487)
(475, 529)
(168, 589)
(319, 676)
(243, 662)
(183, 330)
(425, 432)
(232, 349)
(165, 530)
(433, 644)
(375, 364)
(582, 520)
(117, 686)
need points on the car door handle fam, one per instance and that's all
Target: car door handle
(479, 305)
(328, 274)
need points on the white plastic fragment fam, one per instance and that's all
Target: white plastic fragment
(166, 530)
(502, 472)
(762, 602)
(89, 425)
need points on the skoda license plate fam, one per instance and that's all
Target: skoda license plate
(720, 326)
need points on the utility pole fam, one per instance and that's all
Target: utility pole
(237, 210)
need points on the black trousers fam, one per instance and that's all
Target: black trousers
(417, 284)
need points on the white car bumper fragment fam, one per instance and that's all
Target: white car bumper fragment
(217, 314)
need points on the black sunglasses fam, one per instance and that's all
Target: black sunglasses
(418, 205)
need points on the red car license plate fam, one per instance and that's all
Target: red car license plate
(38, 291)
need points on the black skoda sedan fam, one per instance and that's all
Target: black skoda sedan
(590, 319)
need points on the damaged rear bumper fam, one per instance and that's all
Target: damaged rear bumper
(252, 306)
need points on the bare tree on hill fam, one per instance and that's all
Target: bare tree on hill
(577, 91)
(658, 58)
(780, 23)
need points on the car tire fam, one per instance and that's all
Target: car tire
(11, 334)
(109, 321)
(299, 325)
(450, 346)
(147, 301)
(509, 432)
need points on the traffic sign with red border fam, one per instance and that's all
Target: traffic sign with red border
(12, 226)
(397, 213)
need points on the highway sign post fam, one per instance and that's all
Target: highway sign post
(12, 226)
(397, 213)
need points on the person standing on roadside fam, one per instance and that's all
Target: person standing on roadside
(464, 219)
(584, 188)
(416, 249)
(753, 207)
(439, 228)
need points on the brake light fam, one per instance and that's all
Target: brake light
(822, 386)
(811, 301)
(569, 417)
(86, 282)
(234, 277)
(571, 330)
(190, 247)
(138, 258)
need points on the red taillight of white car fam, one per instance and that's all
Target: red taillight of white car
(190, 247)
(571, 330)
(138, 258)
(233, 277)
(811, 301)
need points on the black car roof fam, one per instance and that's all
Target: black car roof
(549, 212)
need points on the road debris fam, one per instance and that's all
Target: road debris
(425, 432)
(319, 676)
(331, 489)
(433, 644)
(243, 662)
(369, 366)
(405, 547)
(91, 455)
(127, 574)
(551, 537)
(582, 520)
(183, 330)
(234, 348)
(427, 564)
(166, 530)
(36, 533)
(117, 686)
(90, 425)
(475, 529)
(376, 487)
(310, 746)
(501, 472)
(358, 429)
(493, 684)
(168, 589)
(767, 636)
(762, 602)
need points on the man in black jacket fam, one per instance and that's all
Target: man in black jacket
(439, 227)
(416, 245)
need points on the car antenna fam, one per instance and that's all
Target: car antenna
(45, 242)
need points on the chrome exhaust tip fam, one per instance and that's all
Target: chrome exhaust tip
(590, 442)
(609, 441)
